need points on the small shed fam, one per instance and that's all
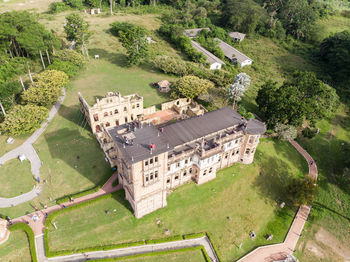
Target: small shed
(22, 157)
(164, 86)
(237, 36)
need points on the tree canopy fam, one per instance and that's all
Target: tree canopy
(76, 29)
(133, 39)
(23, 119)
(302, 191)
(22, 35)
(191, 87)
(303, 97)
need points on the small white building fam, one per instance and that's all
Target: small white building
(214, 62)
(234, 55)
(237, 36)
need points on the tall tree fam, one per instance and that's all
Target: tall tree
(237, 89)
(77, 30)
(133, 39)
(304, 97)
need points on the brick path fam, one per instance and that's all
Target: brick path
(280, 251)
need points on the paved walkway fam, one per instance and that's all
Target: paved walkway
(28, 150)
(122, 252)
(280, 251)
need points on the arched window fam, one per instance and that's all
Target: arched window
(116, 111)
(98, 129)
(108, 124)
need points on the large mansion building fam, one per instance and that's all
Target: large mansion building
(153, 156)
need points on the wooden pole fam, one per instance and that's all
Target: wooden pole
(30, 75)
(48, 57)
(111, 4)
(20, 78)
(42, 60)
(2, 109)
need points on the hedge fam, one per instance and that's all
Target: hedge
(214, 247)
(164, 240)
(30, 235)
(157, 253)
(89, 191)
(194, 235)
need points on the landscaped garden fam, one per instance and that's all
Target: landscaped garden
(16, 248)
(241, 198)
(16, 178)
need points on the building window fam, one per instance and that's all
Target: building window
(125, 109)
(132, 117)
(190, 171)
(177, 164)
(117, 122)
(168, 180)
(126, 119)
(251, 139)
(186, 161)
(210, 170)
(96, 117)
(226, 155)
(237, 151)
(146, 163)
(116, 111)
(247, 151)
(168, 168)
(204, 172)
(155, 174)
(105, 114)
(110, 113)
(151, 161)
(146, 178)
(185, 173)
(156, 159)
(253, 150)
(151, 176)
(137, 105)
(236, 141)
(176, 177)
(233, 153)
(108, 124)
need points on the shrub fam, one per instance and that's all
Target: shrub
(30, 235)
(78, 4)
(78, 194)
(164, 240)
(191, 86)
(214, 247)
(65, 66)
(307, 132)
(194, 235)
(71, 56)
(23, 119)
(57, 7)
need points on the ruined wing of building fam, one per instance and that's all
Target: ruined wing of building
(153, 159)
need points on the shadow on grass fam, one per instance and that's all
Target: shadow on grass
(114, 58)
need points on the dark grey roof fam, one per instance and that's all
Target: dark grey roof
(140, 150)
(196, 127)
(255, 127)
(180, 132)
(231, 52)
(210, 57)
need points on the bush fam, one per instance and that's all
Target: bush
(57, 7)
(77, 195)
(191, 87)
(30, 235)
(78, 4)
(65, 66)
(307, 132)
(23, 119)
(214, 247)
(71, 56)
(194, 235)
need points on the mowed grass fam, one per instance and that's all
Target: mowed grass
(16, 178)
(242, 198)
(16, 248)
(331, 210)
(190, 256)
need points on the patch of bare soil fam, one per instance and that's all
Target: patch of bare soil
(315, 249)
(339, 248)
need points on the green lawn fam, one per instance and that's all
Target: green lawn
(190, 256)
(331, 211)
(16, 178)
(240, 199)
(16, 248)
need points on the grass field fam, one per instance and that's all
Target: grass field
(241, 198)
(16, 178)
(190, 256)
(331, 211)
(16, 248)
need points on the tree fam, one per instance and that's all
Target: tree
(237, 89)
(78, 4)
(191, 87)
(23, 119)
(65, 66)
(133, 39)
(46, 89)
(286, 132)
(76, 30)
(71, 56)
(8, 93)
(302, 191)
(22, 35)
(304, 97)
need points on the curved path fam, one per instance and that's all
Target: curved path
(280, 251)
(28, 150)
